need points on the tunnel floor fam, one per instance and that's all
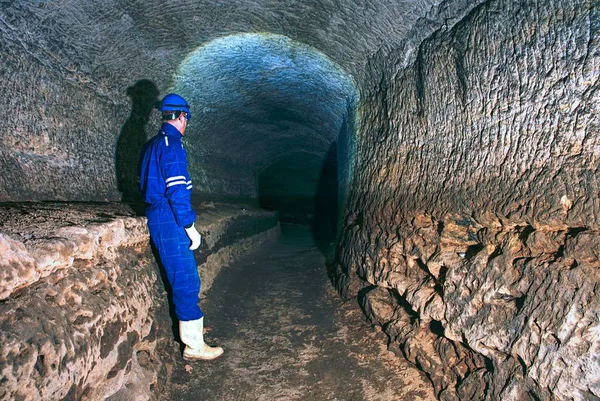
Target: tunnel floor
(288, 336)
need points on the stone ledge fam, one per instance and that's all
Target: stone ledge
(229, 231)
(78, 334)
(83, 309)
(24, 263)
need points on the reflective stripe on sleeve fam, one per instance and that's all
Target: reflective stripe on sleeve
(175, 178)
(182, 182)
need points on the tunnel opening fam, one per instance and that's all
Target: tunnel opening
(306, 197)
(275, 127)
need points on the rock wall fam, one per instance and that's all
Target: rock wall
(472, 230)
(83, 311)
(79, 80)
(78, 305)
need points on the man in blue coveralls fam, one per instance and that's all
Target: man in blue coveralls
(166, 188)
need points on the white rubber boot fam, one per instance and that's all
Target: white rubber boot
(192, 335)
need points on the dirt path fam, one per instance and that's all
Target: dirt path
(288, 336)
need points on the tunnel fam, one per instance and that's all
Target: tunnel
(440, 159)
(271, 113)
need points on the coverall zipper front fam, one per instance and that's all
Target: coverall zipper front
(166, 188)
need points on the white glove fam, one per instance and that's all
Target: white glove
(194, 236)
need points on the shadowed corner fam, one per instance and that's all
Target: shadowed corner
(323, 225)
(143, 95)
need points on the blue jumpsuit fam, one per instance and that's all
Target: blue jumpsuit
(166, 187)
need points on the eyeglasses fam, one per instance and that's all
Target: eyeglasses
(174, 115)
(185, 114)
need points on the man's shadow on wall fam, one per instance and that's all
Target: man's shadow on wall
(143, 95)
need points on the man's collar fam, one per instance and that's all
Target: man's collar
(170, 130)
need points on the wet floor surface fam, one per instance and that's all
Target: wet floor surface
(288, 336)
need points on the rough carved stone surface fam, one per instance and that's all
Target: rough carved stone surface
(42, 239)
(472, 229)
(77, 319)
(79, 80)
(474, 199)
(83, 311)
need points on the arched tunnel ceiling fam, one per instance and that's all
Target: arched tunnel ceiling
(260, 99)
(70, 64)
(130, 40)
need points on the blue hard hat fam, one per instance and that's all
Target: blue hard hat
(174, 102)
